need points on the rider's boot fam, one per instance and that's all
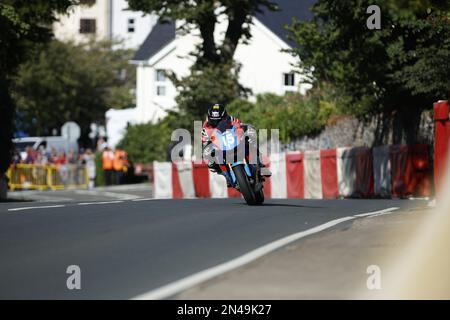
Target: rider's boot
(229, 185)
(214, 167)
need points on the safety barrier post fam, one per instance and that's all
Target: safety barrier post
(8, 176)
(441, 141)
(49, 178)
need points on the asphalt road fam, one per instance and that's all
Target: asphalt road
(128, 247)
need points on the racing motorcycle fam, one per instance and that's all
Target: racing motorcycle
(231, 152)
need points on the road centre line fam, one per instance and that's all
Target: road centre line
(37, 207)
(99, 202)
(63, 205)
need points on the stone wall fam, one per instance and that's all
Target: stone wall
(381, 130)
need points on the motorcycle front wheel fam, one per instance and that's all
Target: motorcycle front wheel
(246, 188)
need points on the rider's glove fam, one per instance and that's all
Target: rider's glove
(251, 134)
(208, 154)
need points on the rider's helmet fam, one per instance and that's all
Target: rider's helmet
(216, 113)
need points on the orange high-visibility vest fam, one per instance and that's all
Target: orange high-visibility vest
(107, 160)
(118, 160)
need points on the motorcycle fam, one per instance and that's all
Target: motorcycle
(228, 143)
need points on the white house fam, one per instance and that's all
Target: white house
(130, 26)
(104, 19)
(83, 22)
(265, 67)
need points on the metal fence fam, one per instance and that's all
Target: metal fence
(41, 177)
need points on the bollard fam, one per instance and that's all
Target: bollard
(441, 141)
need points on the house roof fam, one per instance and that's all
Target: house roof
(164, 32)
(288, 9)
(161, 34)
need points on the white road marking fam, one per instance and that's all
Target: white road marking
(144, 199)
(121, 196)
(202, 276)
(419, 198)
(384, 211)
(98, 202)
(37, 207)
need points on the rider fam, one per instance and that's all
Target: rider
(216, 115)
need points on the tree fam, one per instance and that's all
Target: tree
(401, 68)
(203, 16)
(214, 76)
(22, 25)
(207, 84)
(66, 82)
(147, 142)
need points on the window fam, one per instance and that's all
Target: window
(160, 76)
(161, 90)
(87, 26)
(131, 27)
(289, 79)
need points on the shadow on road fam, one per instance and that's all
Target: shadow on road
(14, 200)
(281, 205)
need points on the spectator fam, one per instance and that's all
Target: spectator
(107, 165)
(120, 164)
(16, 159)
(60, 158)
(41, 156)
(101, 144)
(53, 155)
(29, 159)
(72, 157)
(89, 160)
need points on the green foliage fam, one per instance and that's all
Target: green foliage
(23, 24)
(293, 114)
(207, 84)
(73, 82)
(406, 63)
(151, 141)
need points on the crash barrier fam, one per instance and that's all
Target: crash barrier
(441, 141)
(398, 171)
(41, 177)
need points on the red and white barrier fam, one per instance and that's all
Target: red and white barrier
(295, 180)
(346, 172)
(185, 178)
(278, 186)
(218, 186)
(382, 171)
(313, 180)
(162, 185)
(328, 172)
(441, 141)
(361, 172)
